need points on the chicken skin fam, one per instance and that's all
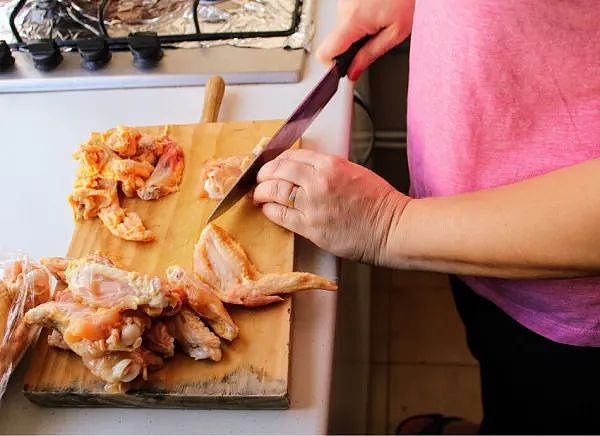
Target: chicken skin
(93, 155)
(125, 225)
(131, 174)
(122, 140)
(193, 336)
(221, 262)
(100, 285)
(58, 265)
(167, 174)
(217, 176)
(203, 301)
(150, 149)
(90, 195)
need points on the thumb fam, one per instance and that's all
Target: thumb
(378, 45)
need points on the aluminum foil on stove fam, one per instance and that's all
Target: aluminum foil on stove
(64, 19)
(43, 20)
(228, 16)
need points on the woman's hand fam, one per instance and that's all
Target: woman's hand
(340, 206)
(389, 20)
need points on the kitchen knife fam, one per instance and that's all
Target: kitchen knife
(293, 128)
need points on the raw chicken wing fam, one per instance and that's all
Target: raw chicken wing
(222, 263)
(193, 336)
(203, 301)
(159, 340)
(88, 331)
(58, 265)
(120, 368)
(100, 285)
(167, 174)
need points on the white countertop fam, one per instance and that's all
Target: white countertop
(40, 131)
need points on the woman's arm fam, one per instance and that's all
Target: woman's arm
(544, 227)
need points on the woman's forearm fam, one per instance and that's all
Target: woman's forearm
(544, 227)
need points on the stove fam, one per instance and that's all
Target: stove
(51, 45)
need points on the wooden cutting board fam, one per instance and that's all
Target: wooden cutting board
(254, 370)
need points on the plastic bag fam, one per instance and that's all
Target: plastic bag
(23, 284)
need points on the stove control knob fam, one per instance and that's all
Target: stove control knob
(94, 52)
(6, 58)
(145, 48)
(45, 54)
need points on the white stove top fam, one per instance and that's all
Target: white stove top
(178, 67)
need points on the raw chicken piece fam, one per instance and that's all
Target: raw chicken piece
(100, 285)
(120, 368)
(104, 202)
(107, 341)
(130, 173)
(203, 301)
(122, 140)
(159, 340)
(124, 157)
(222, 263)
(24, 285)
(150, 149)
(29, 281)
(91, 194)
(217, 176)
(125, 225)
(129, 334)
(58, 265)
(100, 198)
(88, 331)
(193, 336)
(93, 155)
(167, 174)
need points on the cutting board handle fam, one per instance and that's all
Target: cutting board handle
(213, 95)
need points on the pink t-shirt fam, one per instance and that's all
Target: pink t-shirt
(501, 91)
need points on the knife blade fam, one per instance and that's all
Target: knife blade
(293, 128)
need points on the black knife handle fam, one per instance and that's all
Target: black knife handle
(344, 60)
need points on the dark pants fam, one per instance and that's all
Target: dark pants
(529, 384)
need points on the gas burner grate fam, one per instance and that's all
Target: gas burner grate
(124, 42)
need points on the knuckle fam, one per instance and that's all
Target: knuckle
(327, 162)
(274, 190)
(275, 166)
(281, 213)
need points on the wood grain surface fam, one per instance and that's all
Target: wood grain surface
(254, 369)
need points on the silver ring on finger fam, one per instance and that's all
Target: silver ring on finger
(292, 196)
